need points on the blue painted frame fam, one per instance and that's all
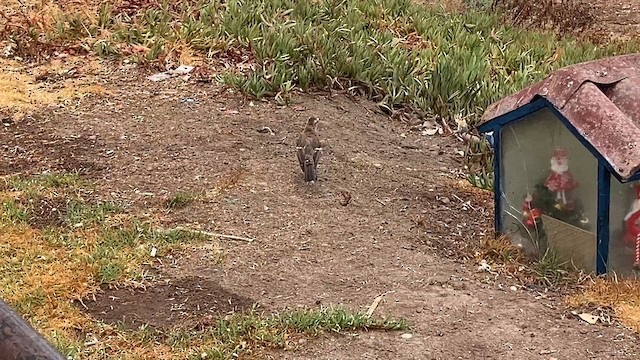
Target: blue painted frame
(604, 199)
(634, 177)
(605, 170)
(497, 187)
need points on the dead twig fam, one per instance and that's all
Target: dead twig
(446, 126)
(83, 305)
(376, 302)
(374, 305)
(470, 138)
(210, 234)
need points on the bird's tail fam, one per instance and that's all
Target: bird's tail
(309, 170)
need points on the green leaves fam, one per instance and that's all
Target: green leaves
(396, 52)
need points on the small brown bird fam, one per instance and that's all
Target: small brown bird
(309, 149)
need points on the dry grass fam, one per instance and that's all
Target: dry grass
(499, 251)
(478, 195)
(23, 90)
(35, 271)
(44, 270)
(53, 81)
(47, 271)
(548, 271)
(620, 295)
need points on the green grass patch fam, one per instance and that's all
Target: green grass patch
(548, 269)
(39, 183)
(79, 213)
(551, 270)
(334, 319)
(52, 200)
(396, 52)
(118, 250)
(29, 302)
(243, 333)
(181, 200)
(13, 212)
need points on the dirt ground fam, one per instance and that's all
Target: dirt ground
(615, 19)
(399, 236)
(408, 212)
(618, 18)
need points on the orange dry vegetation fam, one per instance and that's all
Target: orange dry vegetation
(623, 296)
(476, 194)
(37, 271)
(46, 274)
(56, 80)
(21, 92)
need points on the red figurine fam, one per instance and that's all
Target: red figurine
(632, 235)
(530, 214)
(560, 181)
(636, 203)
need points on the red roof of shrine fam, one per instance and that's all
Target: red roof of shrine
(601, 99)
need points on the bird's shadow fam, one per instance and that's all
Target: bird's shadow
(307, 187)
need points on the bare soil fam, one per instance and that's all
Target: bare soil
(614, 19)
(617, 18)
(401, 234)
(47, 212)
(189, 301)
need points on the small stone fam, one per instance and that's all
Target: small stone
(377, 165)
(406, 336)
(445, 200)
(513, 288)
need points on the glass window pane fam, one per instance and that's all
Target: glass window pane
(549, 190)
(624, 226)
